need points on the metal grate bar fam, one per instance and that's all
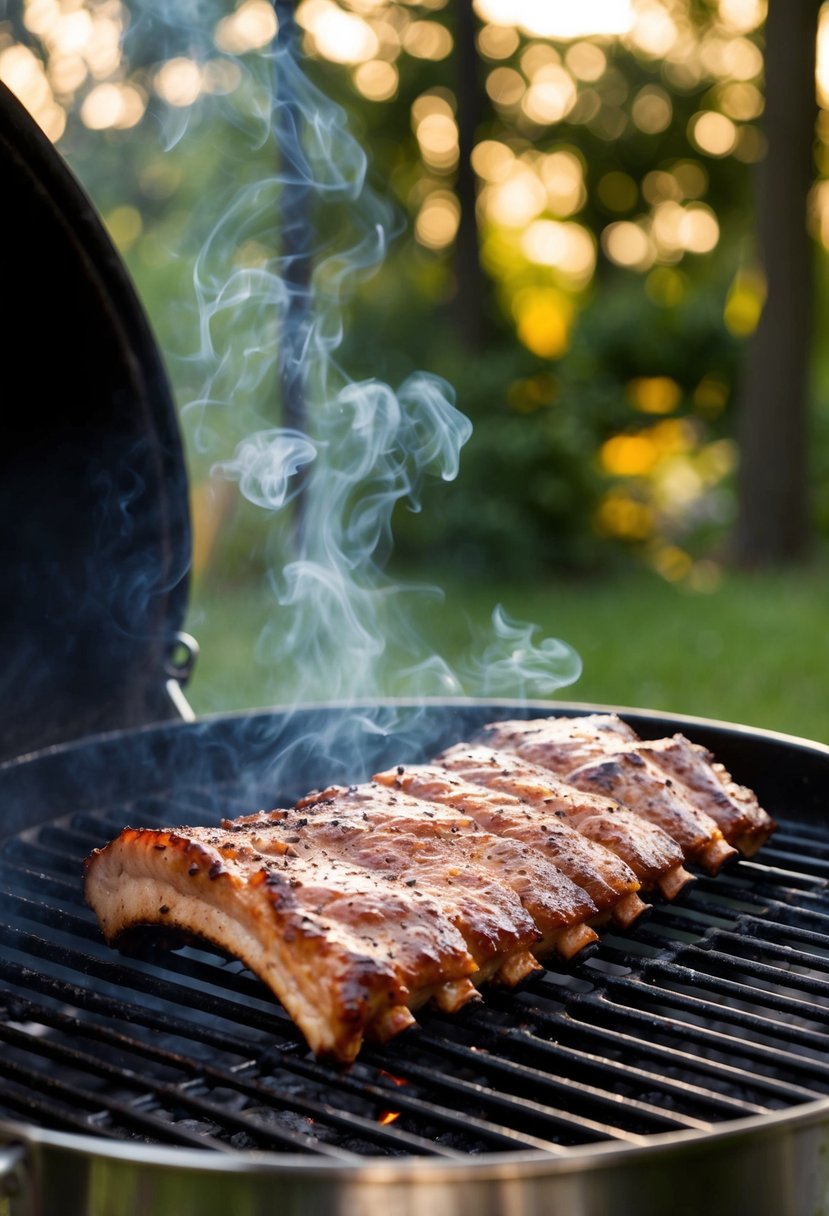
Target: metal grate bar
(127, 1115)
(619, 1073)
(714, 1009)
(609, 1017)
(512, 1072)
(449, 1119)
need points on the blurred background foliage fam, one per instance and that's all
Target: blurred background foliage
(569, 196)
(596, 159)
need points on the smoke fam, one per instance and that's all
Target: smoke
(348, 453)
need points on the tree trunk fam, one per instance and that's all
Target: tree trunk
(471, 289)
(773, 523)
(295, 226)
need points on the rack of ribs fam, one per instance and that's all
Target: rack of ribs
(672, 782)
(359, 905)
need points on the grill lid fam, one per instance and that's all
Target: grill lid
(94, 523)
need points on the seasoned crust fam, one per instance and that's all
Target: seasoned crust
(345, 957)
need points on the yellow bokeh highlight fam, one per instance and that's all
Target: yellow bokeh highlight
(654, 394)
(125, 226)
(673, 563)
(638, 454)
(517, 200)
(629, 455)
(565, 247)
(624, 517)
(666, 286)
(744, 303)
(544, 318)
(710, 397)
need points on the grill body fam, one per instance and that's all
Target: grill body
(744, 999)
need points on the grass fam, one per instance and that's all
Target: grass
(752, 649)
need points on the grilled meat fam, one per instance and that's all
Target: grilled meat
(599, 758)
(561, 743)
(359, 905)
(355, 908)
(347, 956)
(653, 856)
(472, 872)
(709, 786)
(608, 880)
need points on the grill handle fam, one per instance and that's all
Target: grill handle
(15, 1191)
(178, 669)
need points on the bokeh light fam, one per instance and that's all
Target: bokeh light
(437, 221)
(251, 26)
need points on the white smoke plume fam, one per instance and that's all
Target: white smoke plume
(342, 629)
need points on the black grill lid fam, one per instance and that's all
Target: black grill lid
(94, 522)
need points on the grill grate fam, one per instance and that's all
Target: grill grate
(716, 1009)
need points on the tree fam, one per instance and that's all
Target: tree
(773, 525)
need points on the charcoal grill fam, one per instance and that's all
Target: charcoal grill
(682, 1066)
(684, 1061)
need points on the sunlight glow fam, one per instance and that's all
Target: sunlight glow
(338, 36)
(437, 132)
(567, 248)
(178, 82)
(629, 245)
(23, 73)
(551, 95)
(744, 302)
(438, 219)
(731, 58)
(713, 133)
(251, 26)
(654, 394)
(652, 109)
(492, 160)
(822, 69)
(497, 41)
(654, 31)
(427, 40)
(505, 86)
(516, 201)
(559, 18)
(562, 173)
(742, 16)
(586, 61)
(544, 317)
(691, 229)
(377, 80)
(112, 105)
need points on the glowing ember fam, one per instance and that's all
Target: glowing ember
(389, 1116)
(389, 1076)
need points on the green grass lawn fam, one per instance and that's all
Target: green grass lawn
(751, 650)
